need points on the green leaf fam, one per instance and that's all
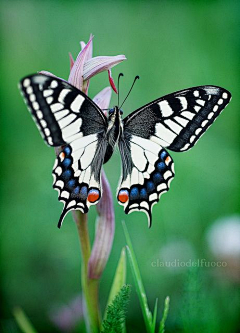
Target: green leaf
(138, 282)
(119, 279)
(154, 316)
(165, 314)
(116, 312)
(23, 321)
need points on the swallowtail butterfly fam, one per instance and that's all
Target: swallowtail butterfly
(67, 117)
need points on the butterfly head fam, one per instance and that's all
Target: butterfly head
(112, 113)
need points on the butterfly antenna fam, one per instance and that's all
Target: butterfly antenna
(120, 74)
(136, 78)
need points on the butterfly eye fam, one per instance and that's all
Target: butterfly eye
(121, 112)
(110, 112)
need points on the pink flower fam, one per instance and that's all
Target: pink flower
(86, 66)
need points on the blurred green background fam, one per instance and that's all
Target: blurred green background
(172, 45)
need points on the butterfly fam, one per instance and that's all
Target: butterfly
(66, 117)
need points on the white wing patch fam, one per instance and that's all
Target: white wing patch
(165, 108)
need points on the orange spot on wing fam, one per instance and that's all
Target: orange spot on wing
(167, 160)
(93, 195)
(123, 196)
(62, 156)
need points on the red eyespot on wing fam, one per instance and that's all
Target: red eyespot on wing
(123, 196)
(93, 195)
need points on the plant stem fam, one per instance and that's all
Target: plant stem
(23, 321)
(89, 286)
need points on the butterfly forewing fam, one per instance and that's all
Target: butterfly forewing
(67, 117)
(178, 120)
(61, 112)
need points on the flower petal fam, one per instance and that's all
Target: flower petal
(102, 99)
(71, 60)
(112, 81)
(104, 233)
(83, 44)
(76, 74)
(89, 50)
(87, 57)
(99, 64)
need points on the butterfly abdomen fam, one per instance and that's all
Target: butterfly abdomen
(109, 152)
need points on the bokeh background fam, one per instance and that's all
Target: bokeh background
(172, 45)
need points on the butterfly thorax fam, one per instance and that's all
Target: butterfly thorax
(114, 131)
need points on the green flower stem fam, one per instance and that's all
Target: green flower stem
(90, 286)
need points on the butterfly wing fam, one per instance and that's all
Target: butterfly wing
(67, 117)
(176, 122)
(77, 173)
(61, 112)
(147, 171)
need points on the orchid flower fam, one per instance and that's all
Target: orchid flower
(86, 66)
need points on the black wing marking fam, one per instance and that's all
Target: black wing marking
(147, 170)
(61, 112)
(176, 121)
(77, 172)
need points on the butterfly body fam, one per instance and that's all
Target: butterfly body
(114, 131)
(67, 117)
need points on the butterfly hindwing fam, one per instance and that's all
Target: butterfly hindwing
(176, 121)
(77, 172)
(61, 112)
(147, 170)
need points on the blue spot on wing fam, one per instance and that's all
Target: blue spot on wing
(66, 175)
(157, 178)
(76, 190)
(150, 186)
(134, 193)
(66, 162)
(143, 194)
(71, 183)
(163, 155)
(67, 150)
(161, 166)
(83, 193)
